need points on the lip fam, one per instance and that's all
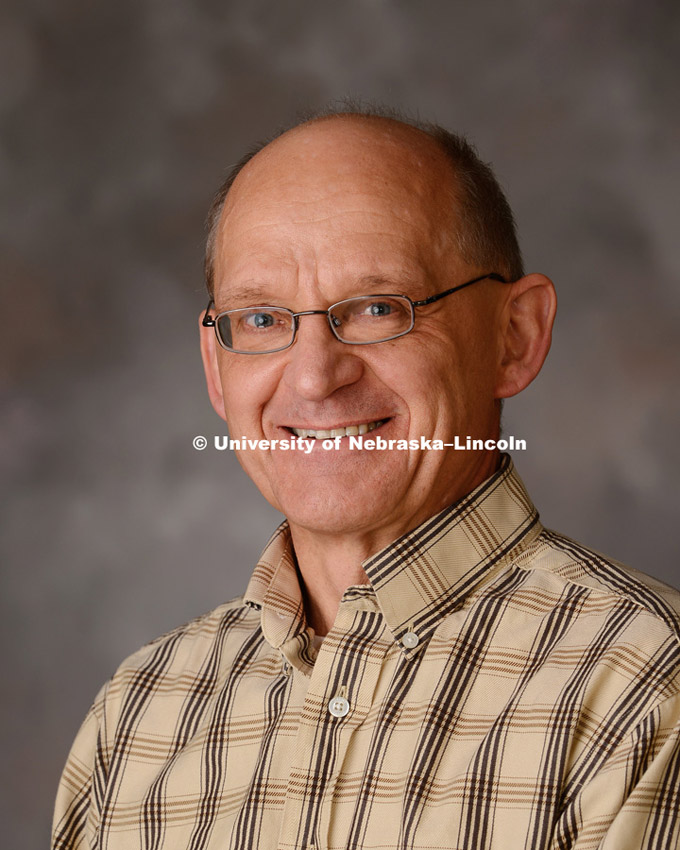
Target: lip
(350, 423)
(318, 461)
(380, 423)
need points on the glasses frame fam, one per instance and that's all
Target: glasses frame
(212, 322)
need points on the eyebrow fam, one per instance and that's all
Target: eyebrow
(385, 283)
(248, 296)
(371, 284)
(405, 284)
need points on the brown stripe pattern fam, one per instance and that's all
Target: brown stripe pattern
(539, 708)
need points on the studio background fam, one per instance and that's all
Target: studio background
(118, 121)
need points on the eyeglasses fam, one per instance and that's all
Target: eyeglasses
(363, 320)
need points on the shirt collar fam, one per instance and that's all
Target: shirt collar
(274, 588)
(428, 573)
(422, 576)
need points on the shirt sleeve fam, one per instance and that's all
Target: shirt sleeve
(633, 801)
(79, 796)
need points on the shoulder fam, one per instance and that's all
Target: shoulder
(610, 583)
(202, 631)
(193, 657)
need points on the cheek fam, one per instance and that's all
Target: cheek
(449, 383)
(246, 387)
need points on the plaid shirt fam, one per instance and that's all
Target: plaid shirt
(495, 685)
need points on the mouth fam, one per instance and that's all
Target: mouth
(345, 431)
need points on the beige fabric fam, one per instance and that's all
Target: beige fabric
(538, 709)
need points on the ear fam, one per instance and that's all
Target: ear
(209, 352)
(527, 324)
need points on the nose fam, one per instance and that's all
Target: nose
(318, 363)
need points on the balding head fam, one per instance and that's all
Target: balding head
(471, 201)
(342, 166)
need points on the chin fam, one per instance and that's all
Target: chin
(329, 513)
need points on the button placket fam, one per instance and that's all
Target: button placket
(326, 682)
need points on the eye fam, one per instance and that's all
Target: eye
(372, 309)
(259, 320)
(379, 308)
(372, 318)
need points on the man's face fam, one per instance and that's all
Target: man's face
(336, 209)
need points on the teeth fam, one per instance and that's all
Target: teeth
(349, 431)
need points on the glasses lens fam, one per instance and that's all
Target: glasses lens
(372, 318)
(255, 329)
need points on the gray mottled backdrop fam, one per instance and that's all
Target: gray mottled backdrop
(118, 119)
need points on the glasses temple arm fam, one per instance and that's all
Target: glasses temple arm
(439, 295)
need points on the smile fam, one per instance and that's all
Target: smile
(348, 431)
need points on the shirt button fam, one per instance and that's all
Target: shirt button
(410, 640)
(338, 706)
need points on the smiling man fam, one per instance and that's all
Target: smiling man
(416, 662)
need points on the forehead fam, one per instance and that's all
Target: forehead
(372, 185)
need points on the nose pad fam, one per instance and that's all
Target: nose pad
(333, 321)
(296, 317)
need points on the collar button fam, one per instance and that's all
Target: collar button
(410, 640)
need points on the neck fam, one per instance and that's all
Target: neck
(327, 568)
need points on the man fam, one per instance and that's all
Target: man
(416, 662)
